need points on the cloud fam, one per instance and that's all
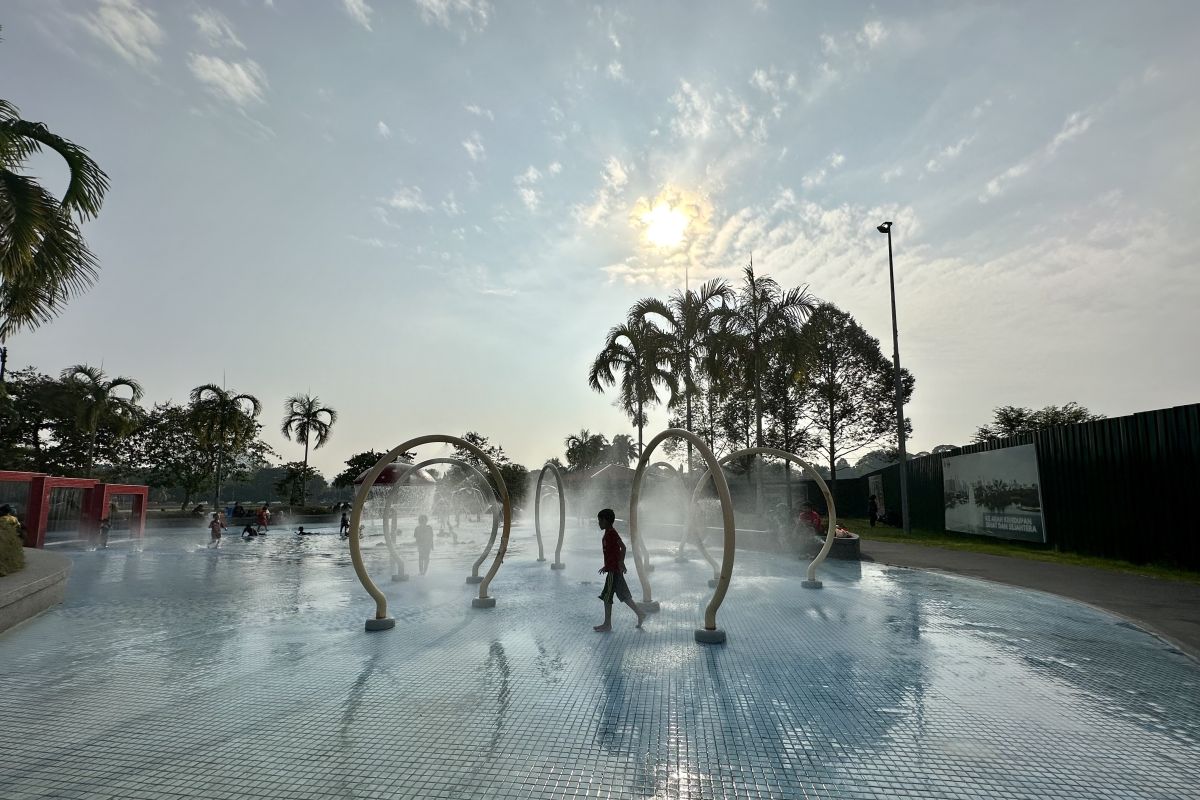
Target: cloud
(407, 199)
(216, 29)
(615, 70)
(474, 147)
(694, 114)
(979, 109)
(554, 168)
(373, 241)
(479, 111)
(891, 174)
(872, 34)
(613, 180)
(359, 11)
(128, 29)
(836, 160)
(1075, 126)
(240, 82)
(948, 153)
(446, 13)
(451, 207)
(384, 131)
(813, 179)
(526, 184)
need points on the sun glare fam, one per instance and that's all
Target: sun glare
(665, 226)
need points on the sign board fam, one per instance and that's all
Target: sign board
(995, 493)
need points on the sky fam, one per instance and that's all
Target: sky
(429, 212)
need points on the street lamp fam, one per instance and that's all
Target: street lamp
(887, 228)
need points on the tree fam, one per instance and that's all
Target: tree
(640, 352)
(851, 393)
(305, 418)
(689, 318)
(356, 465)
(297, 479)
(762, 318)
(621, 450)
(225, 423)
(1015, 421)
(585, 450)
(512, 474)
(44, 261)
(99, 401)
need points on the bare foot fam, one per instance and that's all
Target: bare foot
(641, 619)
(602, 628)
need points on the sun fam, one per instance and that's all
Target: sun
(665, 226)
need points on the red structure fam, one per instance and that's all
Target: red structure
(97, 498)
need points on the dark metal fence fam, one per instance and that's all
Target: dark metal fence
(1126, 487)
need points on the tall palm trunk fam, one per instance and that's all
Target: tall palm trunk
(304, 474)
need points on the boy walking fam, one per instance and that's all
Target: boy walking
(614, 565)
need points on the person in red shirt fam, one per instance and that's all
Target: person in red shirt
(810, 518)
(614, 566)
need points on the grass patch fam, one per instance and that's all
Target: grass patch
(1001, 547)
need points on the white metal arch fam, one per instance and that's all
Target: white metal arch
(562, 513)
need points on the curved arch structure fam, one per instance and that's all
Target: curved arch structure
(811, 582)
(710, 633)
(473, 472)
(562, 513)
(382, 621)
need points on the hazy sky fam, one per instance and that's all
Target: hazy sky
(428, 213)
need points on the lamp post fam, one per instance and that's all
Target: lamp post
(887, 228)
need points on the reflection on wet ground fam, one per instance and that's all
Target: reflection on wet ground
(244, 671)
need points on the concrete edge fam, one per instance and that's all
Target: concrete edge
(41, 585)
(1146, 627)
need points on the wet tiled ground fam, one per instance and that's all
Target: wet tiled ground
(245, 672)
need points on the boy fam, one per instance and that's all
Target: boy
(344, 530)
(614, 565)
(424, 537)
(105, 527)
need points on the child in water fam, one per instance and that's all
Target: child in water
(344, 530)
(424, 537)
(215, 527)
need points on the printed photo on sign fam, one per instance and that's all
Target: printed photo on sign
(995, 493)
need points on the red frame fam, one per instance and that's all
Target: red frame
(96, 499)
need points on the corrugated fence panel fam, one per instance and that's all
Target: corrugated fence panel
(1127, 487)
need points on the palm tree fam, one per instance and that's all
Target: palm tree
(621, 450)
(305, 418)
(764, 310)
(44, 260)
(585, 450)
(224, 420)
(99, 401)
(689, 318)
(640, 352)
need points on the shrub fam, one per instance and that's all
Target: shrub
(12, 552)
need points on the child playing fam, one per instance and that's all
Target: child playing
(105, 527)
(424, 537)
(344, 531)
(215, 527)
(614, 565)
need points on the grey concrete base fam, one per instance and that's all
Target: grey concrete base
(558, 565)
(541, 559)
(385, 624)
(483, 602)
(807, 584)
(704, 636)
(474, 579)
(31, 591)
(398, 578)
(648, 607)
(681, 559)
(649, 568)
(712, 583)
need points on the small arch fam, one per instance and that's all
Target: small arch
(381, 621)
(473, 472)
(562, 513)
(710, 633)
(811, 582)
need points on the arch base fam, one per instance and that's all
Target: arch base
(712, 583)
(474, 579)
(385, 624)
(541, 558)
(704, 636)
(558, 565)
(399, 577)
(483, 602)
(681, 559)
(811, 584)
(648, 606)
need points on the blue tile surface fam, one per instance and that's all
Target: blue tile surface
(244, 672)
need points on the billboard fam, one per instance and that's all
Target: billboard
(995, 493)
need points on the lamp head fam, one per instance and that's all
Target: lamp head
(885, 227)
